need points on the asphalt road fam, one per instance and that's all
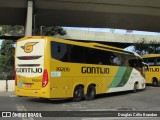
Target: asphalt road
(146, 100)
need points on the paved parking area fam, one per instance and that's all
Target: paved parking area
(146, 100)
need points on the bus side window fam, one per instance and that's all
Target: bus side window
(116, 60)
(59, 51)
(140, 63)
(158, 61)
(77, 54)
(133, 63)
(151, 61)
(145, 60)
(90, 56)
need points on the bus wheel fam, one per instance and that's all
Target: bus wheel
(91, 92)
(155, 82)
(78, 94)
(135, 87)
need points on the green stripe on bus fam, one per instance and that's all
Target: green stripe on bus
(125, 77)
(118, 77)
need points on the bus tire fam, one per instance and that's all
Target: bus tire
(155, 82)
(135, 87)
(91, 92)
(78, 94)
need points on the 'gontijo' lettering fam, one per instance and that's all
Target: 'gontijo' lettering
(95, 70)
(29, 70)
(152, 70)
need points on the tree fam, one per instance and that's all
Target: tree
(49, 30)
(6, 60)
(142, 47)
(17, 30)
(14, 30)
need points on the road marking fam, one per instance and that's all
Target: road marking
(12, 96)
(21, 108)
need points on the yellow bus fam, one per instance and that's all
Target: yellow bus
(49, 67)
(152, 74)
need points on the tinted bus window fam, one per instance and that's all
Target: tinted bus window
(158, 61)
(151, 61)
(59, 51)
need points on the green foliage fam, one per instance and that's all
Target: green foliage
(17, 30)
(13, 30)
(142, 47)
(6, 60)
(49, 30)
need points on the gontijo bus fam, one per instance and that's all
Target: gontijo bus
(56, 68)
(152, 74)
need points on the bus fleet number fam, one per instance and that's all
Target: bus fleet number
(64, 69)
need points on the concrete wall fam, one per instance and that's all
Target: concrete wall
(108, 37)
(3, 85)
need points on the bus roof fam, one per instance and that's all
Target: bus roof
(85, 44)
(150, 55)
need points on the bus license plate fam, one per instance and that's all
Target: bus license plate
(28, 85)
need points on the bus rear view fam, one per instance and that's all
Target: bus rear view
(31, 77)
